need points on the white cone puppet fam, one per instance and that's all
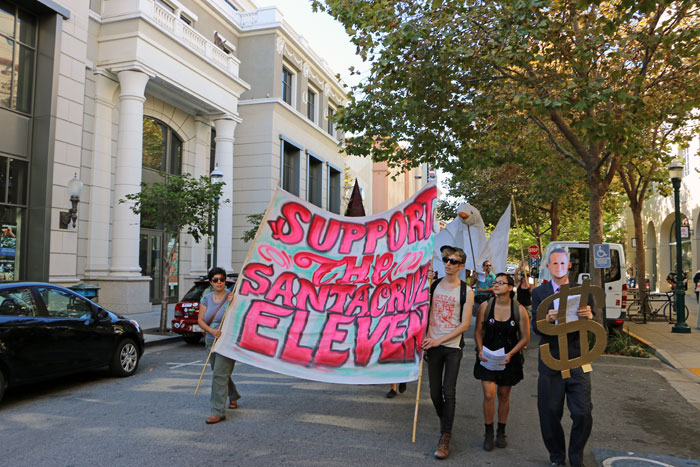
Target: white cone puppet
(467, 231)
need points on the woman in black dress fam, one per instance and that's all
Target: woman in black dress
(524, 293)
(497, 326)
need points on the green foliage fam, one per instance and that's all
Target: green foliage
(620, 343)
(178, 203)
(469, 84)
(254, 220)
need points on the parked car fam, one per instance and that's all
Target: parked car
(187, 309)
(48, 331)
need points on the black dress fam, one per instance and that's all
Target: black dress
(499, 334)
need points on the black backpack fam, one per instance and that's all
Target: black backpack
(515, 311)
(462, 301)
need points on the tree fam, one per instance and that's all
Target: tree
(587, 73)
(179, 203)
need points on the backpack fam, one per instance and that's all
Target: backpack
(462, 301)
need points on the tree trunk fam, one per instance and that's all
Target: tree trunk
(640, 260)
(164, 285)
(595, 185)
(555, 219)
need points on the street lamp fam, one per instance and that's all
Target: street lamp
(216, 177)
(676, 173)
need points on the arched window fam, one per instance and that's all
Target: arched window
(685, 245)
(162, 148)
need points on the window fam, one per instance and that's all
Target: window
(162, 148)
(291, 158)
(580, 264)
(17, 302)
(186, 20)
(331, 124)
(286, 85)
(166, 5)
(18, 31)
(315, 181)
(62, 304)
(334, 176)
(311, 105)
(685, 157)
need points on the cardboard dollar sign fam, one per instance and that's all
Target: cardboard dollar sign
(564, 327)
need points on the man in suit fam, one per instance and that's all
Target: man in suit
(552, 389)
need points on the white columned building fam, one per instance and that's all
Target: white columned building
(125, 230)
(225, 128)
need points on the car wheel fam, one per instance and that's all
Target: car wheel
(192, 339)
(126, 358)
(3, 383)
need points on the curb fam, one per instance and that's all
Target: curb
(652, 361)
(161, 341)
(660, 355)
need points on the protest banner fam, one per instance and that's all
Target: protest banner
(332, 298)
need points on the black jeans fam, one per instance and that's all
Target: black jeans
(443, 369)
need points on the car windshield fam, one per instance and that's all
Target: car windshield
(195, 293)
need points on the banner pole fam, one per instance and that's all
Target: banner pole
(517, 225)
(415, 412)
(420, 371)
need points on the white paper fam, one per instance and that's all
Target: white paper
(495, 359)
(572, 305)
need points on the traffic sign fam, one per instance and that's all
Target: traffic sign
(534, 262)
(534, 250)
(601, 255)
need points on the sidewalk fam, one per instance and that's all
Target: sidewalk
(150, 323)
(680, 351)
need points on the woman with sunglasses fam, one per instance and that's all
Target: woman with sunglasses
(211, 312)
(498, 327)
(443, 341)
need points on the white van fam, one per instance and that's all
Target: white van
(615, 276)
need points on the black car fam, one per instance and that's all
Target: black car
(48, 331)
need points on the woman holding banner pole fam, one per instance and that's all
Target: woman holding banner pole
(443, 342)
(212, 309)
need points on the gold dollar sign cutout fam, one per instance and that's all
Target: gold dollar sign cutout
(581, 326)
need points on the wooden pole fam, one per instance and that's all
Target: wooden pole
(415, 412)
(517, 225)
(420, 371)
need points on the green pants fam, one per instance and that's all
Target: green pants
(222, 384)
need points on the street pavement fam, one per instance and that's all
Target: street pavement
(153, 418)
(675, 360)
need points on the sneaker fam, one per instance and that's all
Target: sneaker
(391, 394)
(488, 441)
(402, 388)
(501, 439)
(443, 449)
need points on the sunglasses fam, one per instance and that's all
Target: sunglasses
(452, 261)
(501, 283)
(487, 265)
(214, 280)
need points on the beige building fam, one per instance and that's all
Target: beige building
(112, 93)
(659, 226)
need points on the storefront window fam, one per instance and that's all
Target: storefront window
(10, 229)
(18, 33)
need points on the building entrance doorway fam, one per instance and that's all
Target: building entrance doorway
(154, 248)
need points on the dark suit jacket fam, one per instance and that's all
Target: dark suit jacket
(538, 295)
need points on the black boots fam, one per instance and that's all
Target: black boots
(501, 436)
(488, 437)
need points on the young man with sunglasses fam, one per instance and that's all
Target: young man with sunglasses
(443, 341)
(211, 313)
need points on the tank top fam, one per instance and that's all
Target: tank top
(499, 334)
(445, 315)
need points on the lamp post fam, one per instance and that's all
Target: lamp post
(676, 173)
(216, 176)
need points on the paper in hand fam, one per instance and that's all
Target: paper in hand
(495, 359)
(572, 305)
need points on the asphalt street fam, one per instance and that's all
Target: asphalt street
(153, 418)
